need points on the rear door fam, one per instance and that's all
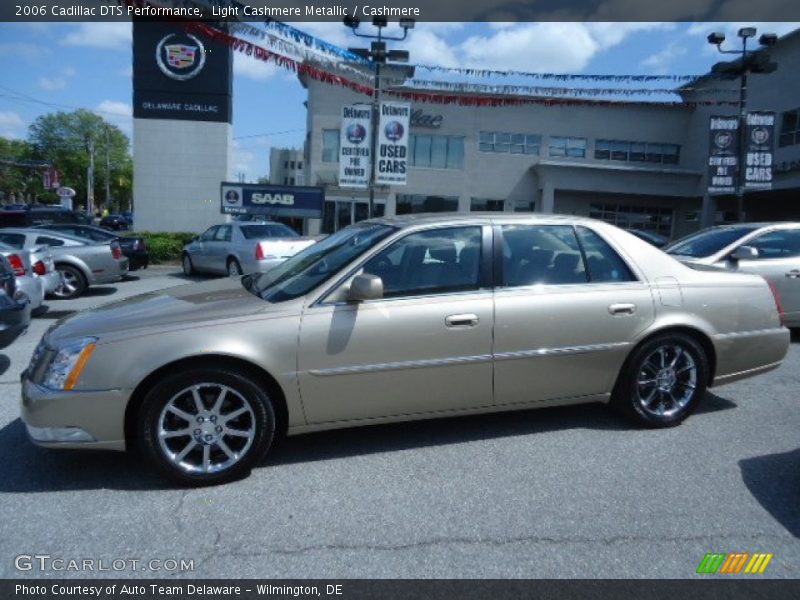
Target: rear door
(566, 311)
(779, 262)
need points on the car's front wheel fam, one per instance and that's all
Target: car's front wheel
(186, 263)
(663, 381)
(205, 427)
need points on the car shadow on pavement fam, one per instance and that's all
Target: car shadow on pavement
(438, 432)
(99, 291)
(5, 362)
(795, 335)
(774, 480)
(31, 469)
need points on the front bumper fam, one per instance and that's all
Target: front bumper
(93, 419)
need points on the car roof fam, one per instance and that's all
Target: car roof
(41, 231)
(413, 220)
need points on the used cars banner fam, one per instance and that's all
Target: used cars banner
(392, 143)
(355, 148)
(760, 133)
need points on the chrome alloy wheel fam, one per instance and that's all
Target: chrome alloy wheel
(187, 264)
(234, 269)
(206, 428)
(666, 380)
(68, 285)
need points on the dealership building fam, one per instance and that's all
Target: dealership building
(635, 164)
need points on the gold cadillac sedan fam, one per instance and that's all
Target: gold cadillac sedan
(397, 319)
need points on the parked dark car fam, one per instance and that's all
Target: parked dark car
(134, 247)
(15, 309)
(38, 215)
(128, 216)
(654, 239)
(114, 223)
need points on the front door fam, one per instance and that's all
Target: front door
(564, 314)
(779, 262)
(424, 347)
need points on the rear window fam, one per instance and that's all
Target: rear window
(267, 230)
(710, 241)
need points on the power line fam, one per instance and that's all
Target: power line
(258, 135)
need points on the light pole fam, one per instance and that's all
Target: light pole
(749, 61)
(379, 55)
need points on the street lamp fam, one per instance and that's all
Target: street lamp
(749, 61)
(378, 53)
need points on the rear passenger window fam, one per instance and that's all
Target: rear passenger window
(603, 263)
(49, 241)
(15, 240)
(541, 254)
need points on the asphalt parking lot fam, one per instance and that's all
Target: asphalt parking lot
(565, 493)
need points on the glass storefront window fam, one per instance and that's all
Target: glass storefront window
(485, 204)
(647, 218)
(417, 203)
(330, 145)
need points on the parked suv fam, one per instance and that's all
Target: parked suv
(38, 215)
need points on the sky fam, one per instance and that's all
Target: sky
(61, 66)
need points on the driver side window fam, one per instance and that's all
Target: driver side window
(208, 234)
(438, 261)
(783, 243)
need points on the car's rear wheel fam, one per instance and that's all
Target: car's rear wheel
(205, 427)
(72, 284)
(186, 263)
(234, 268)
(663, 381)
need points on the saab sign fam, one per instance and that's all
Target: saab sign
(273, 200)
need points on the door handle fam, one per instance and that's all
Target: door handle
(465, 320)
(793, 274)
(622, 309)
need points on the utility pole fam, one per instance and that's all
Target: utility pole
(90, 176)
(108, 167)
(379, 55)
(750, 61)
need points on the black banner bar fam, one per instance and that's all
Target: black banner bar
(441, 10)
(714, 588)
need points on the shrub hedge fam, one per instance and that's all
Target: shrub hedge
(164, 247)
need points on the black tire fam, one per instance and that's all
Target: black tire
(73, 283)
(663, 381)
(234, 268)
(191, 470)
(186, 264)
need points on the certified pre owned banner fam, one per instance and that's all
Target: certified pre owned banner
(393, 143)
(723, 155)
(355, 146)
(758, 144)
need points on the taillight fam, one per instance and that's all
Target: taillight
(777, 297)
(16, 264)
(39, 268)
(116, 251)
(259, 252)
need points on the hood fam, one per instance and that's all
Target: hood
(175, 308)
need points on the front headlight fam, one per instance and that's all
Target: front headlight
(68, 362)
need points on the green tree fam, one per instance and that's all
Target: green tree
(65, 139)
(15, 178)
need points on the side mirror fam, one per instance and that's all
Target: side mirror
(744, 253)
(365, 287)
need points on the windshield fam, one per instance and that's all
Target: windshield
(315, 264)
(267, 230)
(708, 242)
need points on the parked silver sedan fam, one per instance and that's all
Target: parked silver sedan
(242, 247)
(79, 261)
(397, 319)
(771, 250)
